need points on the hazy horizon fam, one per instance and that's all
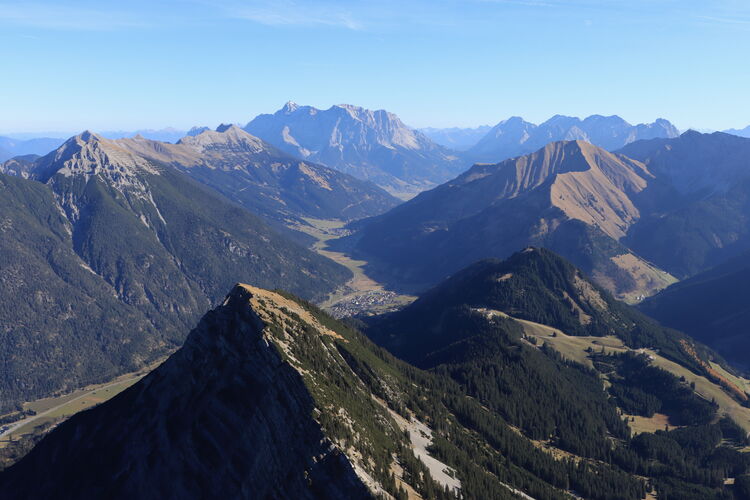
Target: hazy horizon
(63, 134)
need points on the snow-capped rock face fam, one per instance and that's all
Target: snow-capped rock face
(373, 145)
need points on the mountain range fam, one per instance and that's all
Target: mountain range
(633, 220)
(515, 136)
(371, 145)
(271, 397)
(571, 197)
(37, 146)
(109, 254)
(517, 371)
(744, 132)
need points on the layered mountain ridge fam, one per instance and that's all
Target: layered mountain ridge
(136, 237)
(240, 166)
(634, 220)
(571, 196)
(696, 213)
(271, 397)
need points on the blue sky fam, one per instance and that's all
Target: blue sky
(70, 65)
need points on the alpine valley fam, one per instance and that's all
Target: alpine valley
(329, 304)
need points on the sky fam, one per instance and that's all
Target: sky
(106, 65)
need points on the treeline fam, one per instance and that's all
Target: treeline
(642, 389)
(490, 392)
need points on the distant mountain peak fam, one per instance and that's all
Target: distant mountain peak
(514, 137)
(196, 130)
(225, 126)
(86, 136)
(690, 133)
(225, 135)
(289, 107)
(372, 145)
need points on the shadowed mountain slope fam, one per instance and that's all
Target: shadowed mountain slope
(270, 397)
(713, 307)
(142, 245)
(572, 197)
(696, 214)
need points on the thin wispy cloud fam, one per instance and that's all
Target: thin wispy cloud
(285, 13)
(62, 17)
(725, 20)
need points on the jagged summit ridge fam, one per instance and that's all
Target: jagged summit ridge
(515, 136)
(585, 182)
(371, 145)
(231, 136)
(89, 154)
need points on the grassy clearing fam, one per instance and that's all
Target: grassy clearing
(644, 424)
(56, 409)
(575, 349)
(740, 382)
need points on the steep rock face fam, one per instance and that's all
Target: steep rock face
(225, 417)
(372, 145)
(19, 166)
(515, 136)
(244, 168)
(571, 196)
(125, 230)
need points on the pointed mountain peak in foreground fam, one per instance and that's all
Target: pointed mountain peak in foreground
(259, 402)
(227, 416)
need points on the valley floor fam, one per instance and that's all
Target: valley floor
(362, 294)
(48, 412)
